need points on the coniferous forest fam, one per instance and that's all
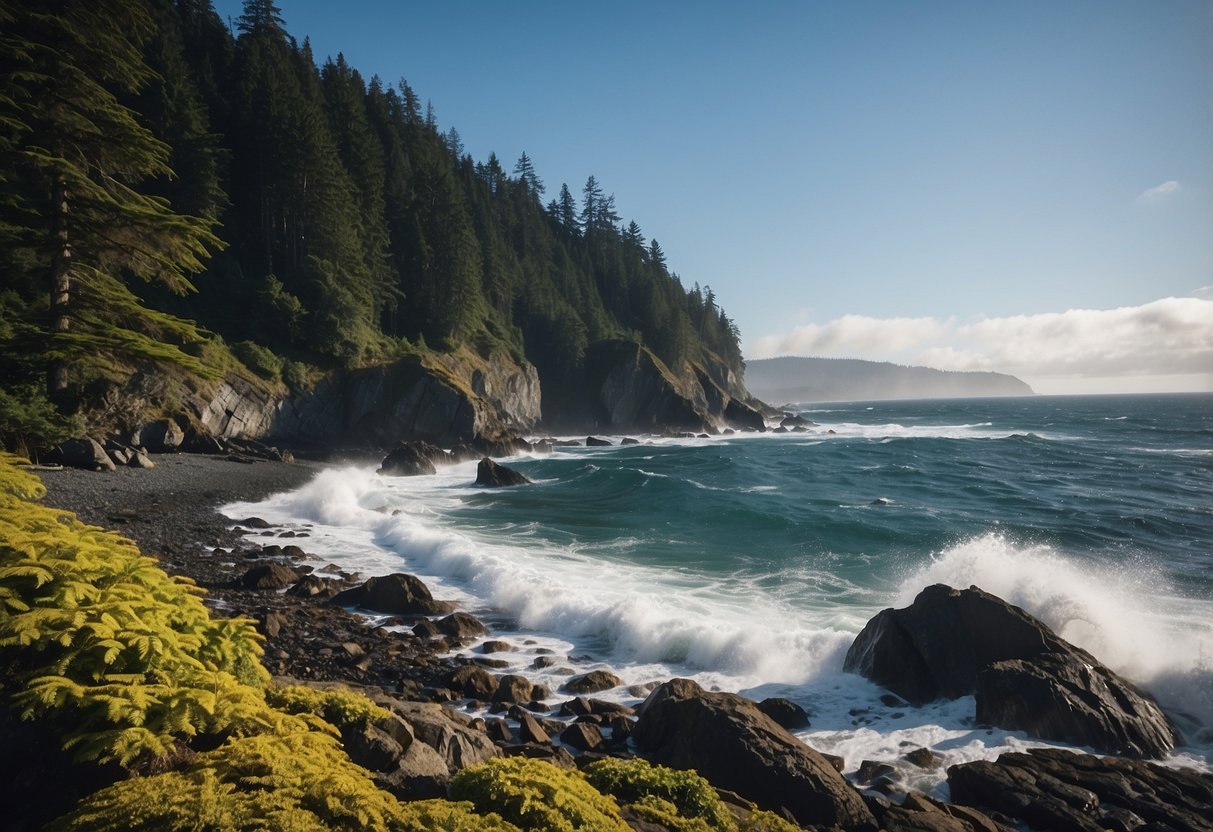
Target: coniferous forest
(178, 194)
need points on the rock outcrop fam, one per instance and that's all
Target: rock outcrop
(397, 594)
(445, 399)
(411, 459)
(1057, 789)
(636, 390)
(733, 744)
(492, 475)
(952, 643)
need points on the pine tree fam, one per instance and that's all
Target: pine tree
(76, 157)
(524, 169)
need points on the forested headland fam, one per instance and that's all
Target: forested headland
(186, 201)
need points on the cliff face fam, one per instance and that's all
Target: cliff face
(796, 379)
(453, 398)
(441, 399)
(637, 391)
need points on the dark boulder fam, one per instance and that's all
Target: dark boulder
(159, 437)
(530, 731)
(583, 736)
(628, 440)
(518, 690)
(270, 576)
(505, 446)
(784, 711)
(1050, 788)
(733, 744)
(460, 625)
(492, 475)
(1059, 697)
(947, 639)
(595, 442)
(398, 594)
(410, 459)
(472, 681)
(593, 682)
(83, 453)
(742, 416)
(793, 421)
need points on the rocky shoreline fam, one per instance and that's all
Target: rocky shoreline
(402, 657)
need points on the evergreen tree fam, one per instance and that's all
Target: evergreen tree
(525, 171)
(75, 157)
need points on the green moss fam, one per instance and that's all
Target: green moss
(259, 359)
(535, 794)
(638, 782)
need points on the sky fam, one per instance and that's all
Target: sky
(1025, 187)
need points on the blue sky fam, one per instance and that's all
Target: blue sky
(1015, 186)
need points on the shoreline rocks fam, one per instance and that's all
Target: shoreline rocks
(951, 643)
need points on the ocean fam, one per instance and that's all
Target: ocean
(749, 562)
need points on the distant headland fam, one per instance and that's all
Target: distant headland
(801, 379)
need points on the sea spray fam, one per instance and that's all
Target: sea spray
(749, 562)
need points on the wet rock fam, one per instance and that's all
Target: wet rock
(1057, 789)
(924, 758)
(514, 689)
(595, 442)
(411, 459)
(460, 625)
(397, 594)
(1062, 697)
(785, 712)
(870, 770)
(1031, 679)
(492, 475)
(269, 576)
(592, 682)
(628, 440)
(473, 682)
(498, 731)
(733, 744)
(496, 647)
(311, 586)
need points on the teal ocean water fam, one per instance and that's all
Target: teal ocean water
(750, 561)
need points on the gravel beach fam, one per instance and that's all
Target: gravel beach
(170, 510)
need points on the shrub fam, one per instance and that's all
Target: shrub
(638, 782)
(259, 359)
(109, 640)
(337, 707)
(535, 794)
(763, 821)
(293, 782)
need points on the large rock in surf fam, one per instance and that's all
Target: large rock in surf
(1050, 788)
(951, 643)
(398, 594)
(492, 475)
(733, 744)
(410, 459)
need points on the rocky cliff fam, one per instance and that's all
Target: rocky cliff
(443, 399)
(633, 389)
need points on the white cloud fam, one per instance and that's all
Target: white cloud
(1204, 292)
(1160, 191)
(1167, 337)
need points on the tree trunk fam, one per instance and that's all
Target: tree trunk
(61, 288)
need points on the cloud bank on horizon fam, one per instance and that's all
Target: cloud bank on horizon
(1164, 345)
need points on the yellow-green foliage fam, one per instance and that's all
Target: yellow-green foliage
(663, 812)
(338, 706)
(763, 821)
(535, 794)
(17, 482)
(656, 789)
(296, 782)
(130, 653)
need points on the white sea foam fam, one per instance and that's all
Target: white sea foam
(1125, 615)
(782, 634)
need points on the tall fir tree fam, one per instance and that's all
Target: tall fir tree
(76, 157)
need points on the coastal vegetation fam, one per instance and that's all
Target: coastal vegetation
(121, 663)
(178, 194)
